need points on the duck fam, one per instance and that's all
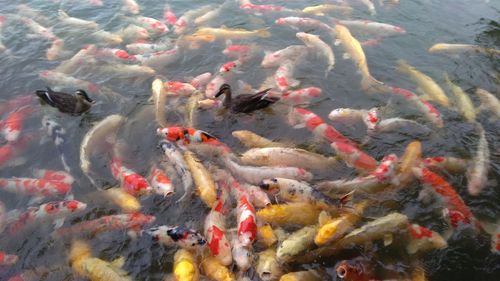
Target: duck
(245, 103)
(77, 103)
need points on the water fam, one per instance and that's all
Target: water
(468, 257)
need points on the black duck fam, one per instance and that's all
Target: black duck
(67, 103)
(245, 103)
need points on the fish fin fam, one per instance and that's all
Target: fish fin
(388, 239)
(62, 14)
(118, 262)
(264, 32)
(371, 85)
(324, 218)
(346, 56)
(58, 223)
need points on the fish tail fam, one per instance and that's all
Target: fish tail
(264, 32)
(372, 85)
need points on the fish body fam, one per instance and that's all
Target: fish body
(146, 48)
(183, 22)
(275, 59)
(319, 46)
(252, 140)
(412, 157)
(429, 111)
(373, 27)
(299, 213)
(462, 100)
(62, 80)
(134, 222)
(203, 180)
(131, 181)
(396, 123)
(131, 6)
(161, 183)
(82, 57)
(103, 36)
(423, 239)
(449, 164)
(282, 156)
(113, 54)
(35, 187)
(76, 22)
(488, 102)
(127, 202)
(215, 232)
(242, 255)
(174, 156)
(95, 269)
(369, 117)
(133, 33)
(257, 196)
(159, 99)
(7, 259)
(231, 66)
(56, 50)
(268, 267)
(321, 10)
(12, 125)
(216, 271)
(477, 173)
(38, 29)
(425, 83)
(332, 230)
(238, 51)
(201, 80)
(454, 203)
(10, 153)
(247, 225)
(355, 52)
(179, 88)
(151, 24)
(255, 175)
(169, 15)
(443, 48)
(284, 76)
(187, 135)
(233, 33)
(128, 71)
(297, 97)
(184, 237)
(56, 210)
(296, 244)
(15, 103)
(301, 22)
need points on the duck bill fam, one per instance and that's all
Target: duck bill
(219, 93)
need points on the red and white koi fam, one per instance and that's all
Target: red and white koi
(169, 15)
(297, 97)
(354, 157)
(14, 103)
(231, 66)
(369, 117)
(62, 80)
(145, 48)
(187, 18)
(34, 187)
(245, 213)
(214, 85)
(188, 135)
(240, 52)
(246, 5)
(179, 88)
(275, 59)
(174, 156)
(152, 25)
(456, 210)
(201, 80)
(133, 222)
(449, 164)
(477, 173)
(161, 183)
(13, 124)
(186, 238)
(372, 26)
(215, 232)
(38, 28)
(429, 111)
(7, 259)
(131, 6)
(132, 182)
(284, 76)
(255, 175)
(53, 175)
(113, 54)
(55, 211)
(306, 23)
(10, 152)
(158, 59)
(133, 33)
(423, 239)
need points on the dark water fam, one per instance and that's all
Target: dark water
(427, 22)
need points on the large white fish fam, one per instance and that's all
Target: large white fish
(488, 102)
(477, 173)
(174, 156)
(377, 28)
(75, 22)
(443, 48)
(314, 42)
(275, 59)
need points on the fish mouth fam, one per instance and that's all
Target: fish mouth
(264, 185)
(342, 272)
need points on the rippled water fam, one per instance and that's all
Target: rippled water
(427, 22)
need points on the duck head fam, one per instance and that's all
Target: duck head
(83, 95)
(224, 89)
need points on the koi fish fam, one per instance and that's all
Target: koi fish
(133, 33)
(443, 48)
(133, 222)
(240, 52)
(321, 10)
(369, 117)
(231, 66)
(186, 238)
(35, 187)
(428, 87)
(185, 266)
(242, 255)
(151, 24)
(247, 225)
(358, 269)
(252, 140)
(10, 153)
(429, 111)
(462, 100)
(55, 211)
(372, 26)
(355, 51)
(306, 23)
(450, 164)
(284, 76)
(277, 58)
(203, 180)
(179, 88)
(145, 48)
(233, 33)
(423, 239)
(214, 85)
(110, 54)
(7, 259)
(215, 270)
(186, 19)
(488, 102)
(75, 22)
(62, 80)
(56, 50)
(131, 181)
(412, 157)
(477, 173)
(107, 37)
(246, 5)
(17, 102)
(306, 275)
(124, 200)
(188, 135)
(298, 213)
(13, 124)
(296, 97)
(296, 244)
(201, 80)
(215, 228)
(131, 6)
(175, 157)
(268, 267)
(458, 211)
(394, 124)
(161, 183)
(168, 15)
(38, 29)
(52, 175)
(321, 48)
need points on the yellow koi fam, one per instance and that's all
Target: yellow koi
(185, 266)
(232, 33)
(292, 213)
(462, 100)
(205, 185)
(214, 270)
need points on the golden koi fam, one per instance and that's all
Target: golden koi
(233, 33)
(185, 266)
(321, 10)
(443, 48)
(159, 99)
(292, 213)
(252, 140)
(205, 185)
(462, 100)
(296, 244)
(268, 267)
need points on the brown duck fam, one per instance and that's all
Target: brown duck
(67, 103)
(245, 103)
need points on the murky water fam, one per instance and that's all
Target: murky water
(468, 256)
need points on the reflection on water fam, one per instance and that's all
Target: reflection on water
(120, 83)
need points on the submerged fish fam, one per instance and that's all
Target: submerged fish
(488, 102)
(174, 156)
(443, 48)
(462, 100)
(186, 238)
(477, 173)
(233, 33)
(321, 48)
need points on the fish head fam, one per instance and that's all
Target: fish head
(83, 95)
(74, 205)
(270, 185)
(171, 133)
(352, 270)
(190, 238)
